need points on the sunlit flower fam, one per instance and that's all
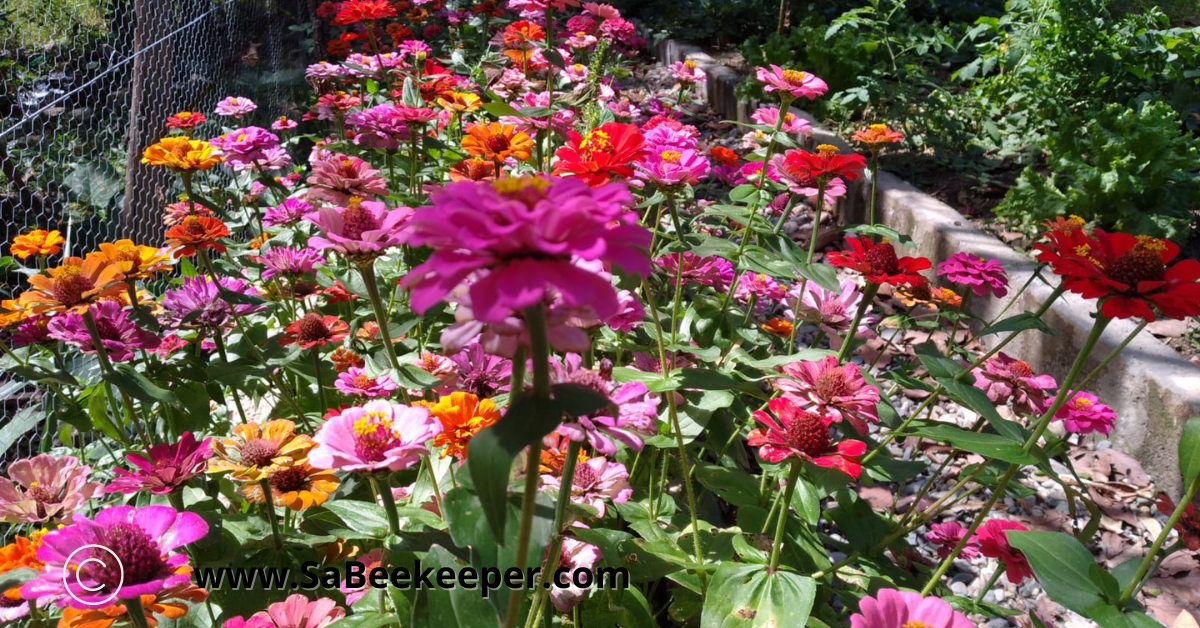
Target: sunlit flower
(197, 233)
(891, 608)
(376, 435)
(11, 313)
(289, 211)
(289, 261)
(297, 486)
(37, 242)
(355, 381)
(473, 169)
(185, 120)
(923, 294)
(135, 261)
(314, 330)
(73, 286)
(671, 169)
(21, 553)
(254, 451)
(792, 123)
(992, 538)
(827, 388)
(118, 333)
(172, 603)
(459, 102)
(496, 142)
(877, 136)
(596, 481)
(825, 164)
(362, 230)
(1083, 414)
(575, 555)
(878, 262)
(794, 83)
(462, 415)
(181, 154)
(778, 326)
(143, 540)
(339, 177)
(602, 154)
(761, 287)
(235, 107)
(197, 303)
(805, 436)
(355, 11)
(380, 126)
(1004, 378)
(832, 311)
(44, 488)
(946, 537)
(283, 123)
(686, 72)
(636, 412)
(164, 467)
(982, 275)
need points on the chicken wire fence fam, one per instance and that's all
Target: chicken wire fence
(85, 85)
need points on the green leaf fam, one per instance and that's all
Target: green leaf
(617, 609)
(133, 383)
(823, 275)
(1189, 450)
(1065, 569)
(1021, 322)
(989, 445)
(499, 109)
(732, 485)
(16, 578)
(364, 619)
(362, 517)
(411, 95)
(493, 449)
(750, 596)
(579, 400)
(975, 399)
(705, 379)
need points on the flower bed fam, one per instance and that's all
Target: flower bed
(414, 316)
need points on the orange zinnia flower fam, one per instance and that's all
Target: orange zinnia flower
(876, 135)
(554, 454)
(182, 154)
(779, 327)
(497, 142)
(928, 296)
(298, 486)
(256, 450)
(37, 242)
(473, 169)
(461, 102)
(344, 358)
(135, 260)
(197, 232)
(11, 313)
(74, 286)
(171, 603)
(462, 415)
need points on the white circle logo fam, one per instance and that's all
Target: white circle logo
(67, 572)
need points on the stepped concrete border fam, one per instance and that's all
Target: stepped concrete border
(1150, 386)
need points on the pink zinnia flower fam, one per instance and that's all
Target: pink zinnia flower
(370, 560)
(827, 388)
(671, 169)
(379, 127)
(289, 261)
(832, 311)
(686, 72)
(575, 555)
(376, 435)
(947, 535)
(706, 271)
(1083, 414)
(762, 287)
(982, 275)
(992, 537)
(297, 611)
(560, 121)
(340, 177)
(803, 435)
(244, 148)
(601, 11)
(480, 373)
(287, 212)
(896, 609)
(1004, 378)
(118, 333)
(636, 410)
(596, 481)
(283, 123)
(362, 229)
(143, 560)
(235, 107)
(792, 123)
(164, 467)
(44, 488)
(629, 315)
(519, 237)
(355, 381)
(794, 83)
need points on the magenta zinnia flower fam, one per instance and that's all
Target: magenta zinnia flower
(596, 481)
(518, 236)
(896, 609)
(381, 126)
(1083, 414)
(827, 388)
(792, 124)
(118, 334)
(687, 72)
(44, 488)
(297, 611)
(235, 107)
(575, 555)
(143, 560)
(480, 373)
(164, 467)
(762, 287)
(971, 270)
(1004, 378)
(286, 213)
(992, 538)
(361, 230)
(636, 415)
(671, 169)
(706, 271)
(376, 435)
(289, 261)
(947, 535)
(804, 435)
(339, 177)
(355, 381)
(794, 83)
(244, 148)
(197, 304)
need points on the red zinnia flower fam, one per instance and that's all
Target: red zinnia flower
(803, 435)
(1128, 272)
(354, 11)
(314, 330)
(723, 156)
(992, 538)
(825, 164)
(197, 232)
(878, 262)
(185, 120)
(602, 154)
(1188, 525)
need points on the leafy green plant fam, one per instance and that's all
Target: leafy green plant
(1128, 169)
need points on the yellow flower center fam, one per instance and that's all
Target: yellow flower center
(691, 64)
(795, 77)
(914, 623)
(373, 436)
(827, 150)
(671, 156)
(517, 186)
(878, 127)
(595, 141)
(1082, 403)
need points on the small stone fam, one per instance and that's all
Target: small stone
(959, 588)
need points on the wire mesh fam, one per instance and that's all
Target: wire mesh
(85, 85)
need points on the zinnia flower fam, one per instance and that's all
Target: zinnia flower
(297, 486)
(135, 261)
(118, 333)
(374, 436)
(596, 481)
(899, 609)
(992, 538)
(876, 136)
(379, 127)
(235, 107)
(362, 230)
(314, 330)
(518, 236)
(44, 488)
(878, 262)
(1188, 525)
(185, 120)
(181, 154)
(825, 164)
(164, 467)
(73, 286)
(197, 303)
(355, 11)
(462, 415)
(803, 435)
(1083, 414)
(1004, 378)
(832, 311)
(339, 177)
(636, 410)
(497, 142)
(671, 169)
(479, 372)
(355, 381)
(143, 561)
(838, 391)
(575, 555)
(172, 603)
(197, 232)
(20, 554)
(254, 450)
(793, 83)
(792, 124)
(37, 242)
(289, 261)
(982, 275)
(287, 212)
(604, 153)
(706, 271)
(947, 536)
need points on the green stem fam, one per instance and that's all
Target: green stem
(1136, 583)
(437, 491)
(135, 611)
(384, 488)
(237, 401)
(107, 367)
(867, 298)
(566, 484)
(269, 512)
(874, 185)
(990, 583)
(787, 213)
(781, 527)
(316, 360)
(367, 270)
(816, 228)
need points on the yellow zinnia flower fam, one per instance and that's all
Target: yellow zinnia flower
(462, 415)
(182, 154)
(37, 242)
(135, 260)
